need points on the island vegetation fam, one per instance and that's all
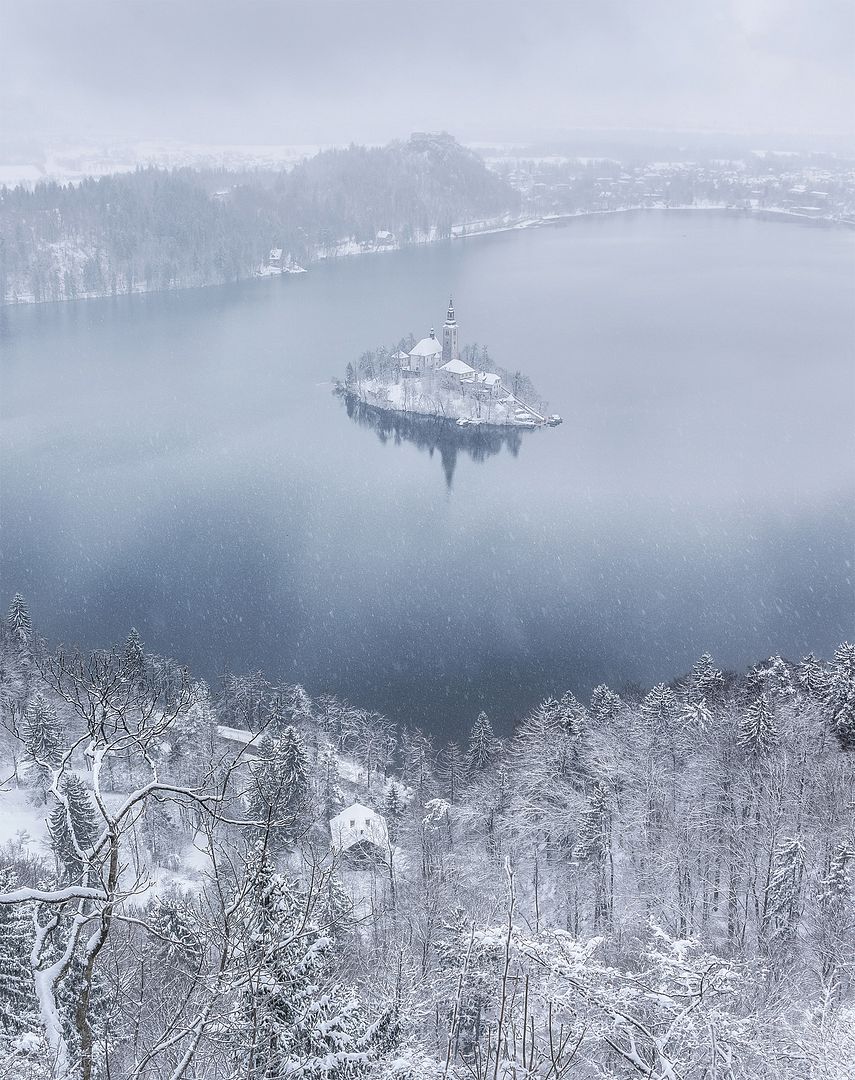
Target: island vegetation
(655, 882)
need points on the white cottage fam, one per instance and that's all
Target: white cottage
(359, 830)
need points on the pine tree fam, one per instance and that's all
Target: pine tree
(134, 655)
(705, 680)
(18, 1007)
(812, 676)
(280, 784)
(394, 805)
(840, 695)
(696, 716)
(18, 621)
(292, 1018)
(660, 708)
(175, 938)
(605, 705)
(757, 731)
(73, 827)
(484, 747)
(44, 739)
(573, 714)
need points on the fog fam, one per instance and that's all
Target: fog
(326, 71)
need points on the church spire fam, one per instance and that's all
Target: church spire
(449, 335)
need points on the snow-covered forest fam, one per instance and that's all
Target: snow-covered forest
(161, 229)
(649, 884)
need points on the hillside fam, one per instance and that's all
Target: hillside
(656, 883)
(158, 229)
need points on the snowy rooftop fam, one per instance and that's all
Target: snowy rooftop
(358, 824)
(457, 367)
(428, 346)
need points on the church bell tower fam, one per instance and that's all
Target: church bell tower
(449, 336)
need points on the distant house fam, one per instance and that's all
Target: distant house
(425, 356)
(359, 831)
(274, 260)
(489, 381)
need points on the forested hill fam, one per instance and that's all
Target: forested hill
(157, 229)
(647, 885)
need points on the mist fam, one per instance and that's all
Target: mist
(332, 72)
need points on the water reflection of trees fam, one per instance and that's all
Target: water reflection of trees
(435, 434)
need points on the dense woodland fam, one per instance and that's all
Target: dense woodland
(654, 884)
(159, 229)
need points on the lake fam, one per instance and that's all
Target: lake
(177, 462)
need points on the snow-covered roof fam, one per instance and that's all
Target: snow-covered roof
(276, 253)
(399, 355)
(358, 824)
(428, 346)
(457, 367)
(489, 378)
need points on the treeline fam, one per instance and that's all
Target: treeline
(159, 229)
(651, 885)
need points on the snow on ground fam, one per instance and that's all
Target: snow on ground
(23, 821)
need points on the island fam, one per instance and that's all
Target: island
(440, 381)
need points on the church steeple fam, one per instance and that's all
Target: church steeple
(449, 335)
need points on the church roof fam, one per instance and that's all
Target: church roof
(428, 346)
(457, 367)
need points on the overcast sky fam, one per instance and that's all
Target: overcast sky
(322, 71)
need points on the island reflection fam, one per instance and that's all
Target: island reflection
(435, 433)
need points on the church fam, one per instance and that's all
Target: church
(430, 356)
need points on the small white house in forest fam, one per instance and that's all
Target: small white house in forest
(359, 830)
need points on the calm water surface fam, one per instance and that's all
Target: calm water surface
(178, 463)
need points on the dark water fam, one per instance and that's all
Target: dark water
(178, 463)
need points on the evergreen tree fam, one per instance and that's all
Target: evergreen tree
(696, 716)
(394, 806)
(73, 827)
(18, 1007)
(605, 705)
(280, 784)
(705, 680)
(573, 714)
(812, 676)
(44, 739)
(175, 939)
(660, 708)
(840, 695)
(757, 731)
(292, 1019)
(18, 621)
(484, 747)
(134, 655)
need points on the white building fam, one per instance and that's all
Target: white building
(425, 356)
(359, 830)
(458, 371)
